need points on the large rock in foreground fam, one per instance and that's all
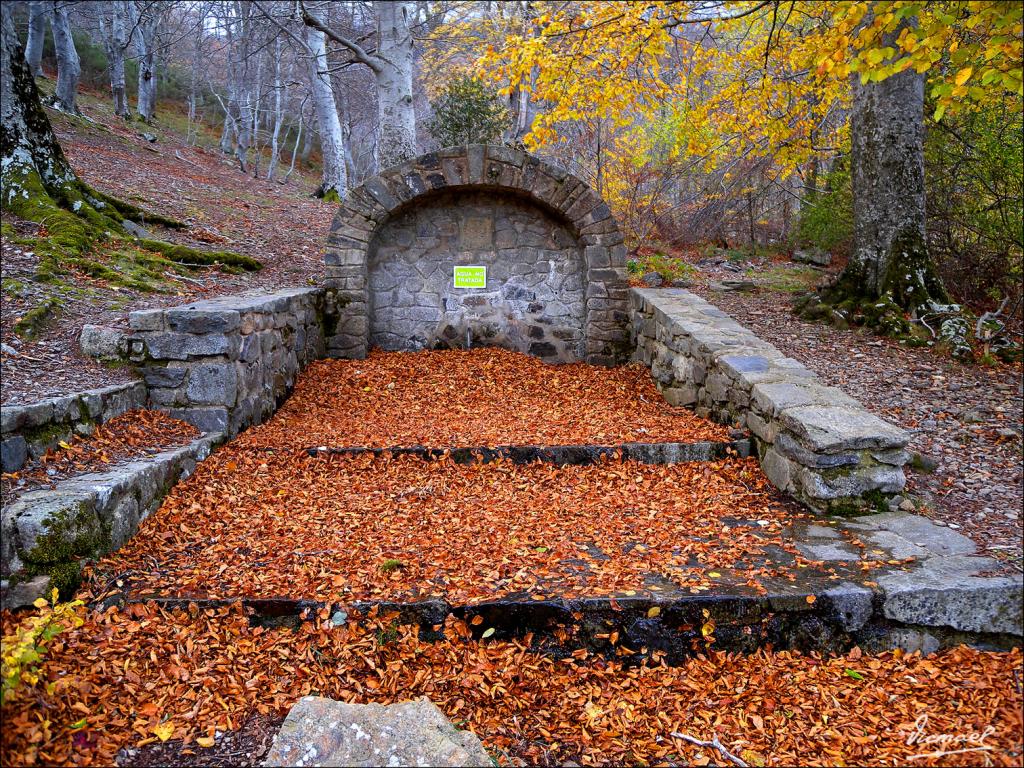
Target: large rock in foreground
(324, 732)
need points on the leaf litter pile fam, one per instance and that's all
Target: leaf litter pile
(131, 435)
(470, 398)
(262, 518)
(141, 675)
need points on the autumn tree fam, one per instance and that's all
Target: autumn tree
(776, 79)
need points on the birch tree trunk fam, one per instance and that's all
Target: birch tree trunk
(37, 16)
(69, 68)
(395, 114)
(115, 42)
(278, 112)
(147, 23)
(307, 142)
(335, 178)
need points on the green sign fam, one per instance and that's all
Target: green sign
(470, 277)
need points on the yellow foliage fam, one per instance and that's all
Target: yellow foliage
(22, 652)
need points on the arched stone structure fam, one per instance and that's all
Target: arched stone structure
(556, 278)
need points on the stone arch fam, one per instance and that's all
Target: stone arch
(490, 178)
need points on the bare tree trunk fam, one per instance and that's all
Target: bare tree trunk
(295, 149)
(396, 117)
(37, 13)
(115, 41)
(146, 24)
(307, 143)
(335, 179)
(278, 112)
(192, 132)
(69, 69)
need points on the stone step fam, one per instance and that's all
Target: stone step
(925, 608)
(561, 455)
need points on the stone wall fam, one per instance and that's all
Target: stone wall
(520, 213)
(226, 363)
(534, 298)
(814, 441)
(45, 533)
(28, 431)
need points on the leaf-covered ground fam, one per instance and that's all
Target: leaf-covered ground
(126, 678)
(485, 396)
(262, 518)
(252, 524)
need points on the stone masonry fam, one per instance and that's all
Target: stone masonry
(534, 298)
(814, 441)
(526, 215)
(227, 363)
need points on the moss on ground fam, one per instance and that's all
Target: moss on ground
(34, 322)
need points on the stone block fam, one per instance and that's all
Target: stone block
(921, 532)
(13, 453)
(18, 417)
(164, 375)
(772, 398)
(935, 595)
(854, 483)
(831, 429)
(207, 420)
(777, 468)
(101, 342)
(182, 346)
(146, 320)
(193, 320)
(791, 449)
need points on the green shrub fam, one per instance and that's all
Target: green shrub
(826, 215)
(467, 112)
(669, 267)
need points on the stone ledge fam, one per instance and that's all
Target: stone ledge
(28, 431)
(815, 441)
(47, 531)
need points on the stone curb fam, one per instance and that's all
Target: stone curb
(560, 455)
(814, 442)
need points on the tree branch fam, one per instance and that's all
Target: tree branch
(357, 50)
(714, 743)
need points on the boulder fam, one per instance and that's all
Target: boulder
(814, 256)
(101, 342)
(320, 731)
(652, 279)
